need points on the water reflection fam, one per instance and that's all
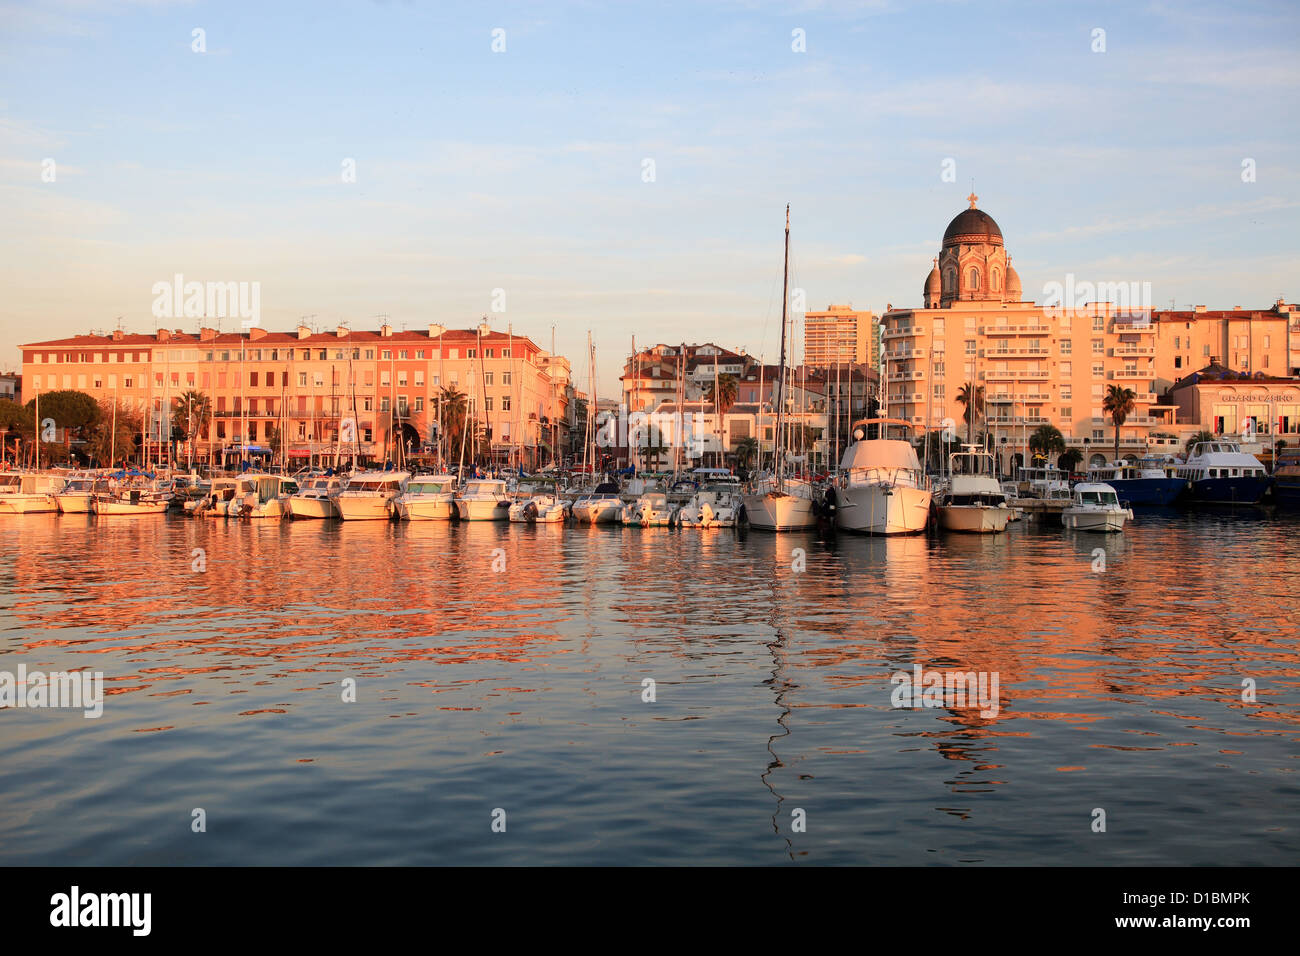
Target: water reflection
(505, 662)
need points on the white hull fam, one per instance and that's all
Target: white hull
(74, 504)
(882, 509)
(1101, 521)
(426, 509)
(24, 504)
(482, 509)
(363, 507)
(772, 512)
(599, 512)
(974, 519)
(312, 507)
(109, 508)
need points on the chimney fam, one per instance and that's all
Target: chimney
(163, 335)
(342, 331)
(1198, 308)
(207, 335)
(118, 335)
(386, 330)
(303, 331)
(436, 329)
(255, 333)
(484, 328)
(1236, 308)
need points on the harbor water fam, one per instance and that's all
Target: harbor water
(384, 693)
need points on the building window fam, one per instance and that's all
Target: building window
(419, 403)
(970, 346)
(505, 378)
(401, 378)
(1067, 392)
(367, 404)
(403, 354)
(487, 378)
(1178, 361)
(938, 393)
(1098, 346)
(487, 403)
(1067, 347)
(505, 403)
(1067, 413)
(974, 279)
(489, 353)
(1098, 369)
(302, 379)
(384, 404)
(384, 379)
(419, 378)
(505, 353)
(1099, 323)
(1067, 368)
(1205, 350)
(996, 280)
(471, 353)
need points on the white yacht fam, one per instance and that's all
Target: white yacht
(262, 496)
(369, 495)
(1044, 482)
(600, 506)
(539, 509)
(714, 506)
(217, 501)
(78, 495)
(1221, 473)
(29, 492)
(132, 497)
(651, 510)
(974, 501)
(1095, 507)
(779, 504)
(427, 498)
(882, 488)
(317, 496)
(483, 499)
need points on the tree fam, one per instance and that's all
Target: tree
(455, 409)
(746, 448)
(726, 389)
(1046, 441)
(1070, 459)
(71, 410)
(191, 413)
(971, 400)
(1119, 404)
(106, 448)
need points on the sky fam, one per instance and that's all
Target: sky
(623, 168)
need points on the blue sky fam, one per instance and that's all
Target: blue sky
(523, 170)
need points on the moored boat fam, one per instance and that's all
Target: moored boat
(369, 495)
(1145, 483)
(1095, 507)
(316, 497)
(29, 492)
(427, 498)
(881, 489)
(974, 501)
(1219, 472)
(483, 499)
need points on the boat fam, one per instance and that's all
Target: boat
(262, 496)
(1043, 482)
(1286, 478)
(714, 506)
(317, 496)
(538, 509)
(650, 510)
(78, 494)
(369, 495)
(1011, 492)
(483, 499)
(1095, 506)
(1144, 483)
(881, 488)
(216, 502)
(602, 505)
(974, 501)
(1219, 472)
(427, 498)
(132, 496)
(29, 492)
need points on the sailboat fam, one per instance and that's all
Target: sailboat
(775, 502)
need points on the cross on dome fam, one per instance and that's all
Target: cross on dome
(972, 197)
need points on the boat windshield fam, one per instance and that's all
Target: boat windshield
(1098, 498)
(484, 488)
(428, 487)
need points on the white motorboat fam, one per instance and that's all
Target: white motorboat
(78, 494)
(132, 499)
(483, 499)
(1095, 507)
(1011, 491)
(216, 503)
(882, 488)
(714, 506)
(369, 495)
(601, 506)
(974, 501)
(539, 509)
(262, 496)
(29, 492)
(1044, 482)
(427, 498)
(651, 510)
(316, 497)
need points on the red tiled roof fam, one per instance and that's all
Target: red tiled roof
(136, 339)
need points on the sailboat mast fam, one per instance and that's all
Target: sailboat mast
(780, 388)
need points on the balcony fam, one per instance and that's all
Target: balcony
(899, 355)
(1130, 373)
(1042, 330)
(1017, 398)
(1011, 375)
(1031, 420)
(911, 376)
(901, 332)
(1013, 353)
(1133, 350)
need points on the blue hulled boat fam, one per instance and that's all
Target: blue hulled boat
(1149, 483)
(1221, 473)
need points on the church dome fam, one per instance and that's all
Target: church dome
(1013, 282)
(972, 225)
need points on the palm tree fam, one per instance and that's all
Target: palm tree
(726, 389)
(971, 400)
(1070, 460)
(745, 450)
(1119, 404)
(455, 409)
(191, 412)
(1046, 441)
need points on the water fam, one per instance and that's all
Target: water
(521, 690)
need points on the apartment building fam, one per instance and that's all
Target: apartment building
(841, 335)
